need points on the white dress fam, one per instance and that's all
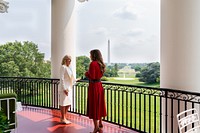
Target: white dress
(66, 83)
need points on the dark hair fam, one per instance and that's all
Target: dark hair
(96, 56)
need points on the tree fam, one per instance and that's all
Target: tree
(111, 71)
(116, 67)
(82, 64)
(23, 60)
(150, 73)
(138, 75)
(137, 68)
(4, 122)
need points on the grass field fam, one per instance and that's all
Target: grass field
(155, 108)
(134, 111)
(138, 111)
(131, 81)
(125, 108)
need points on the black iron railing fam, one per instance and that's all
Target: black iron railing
(144, 109)
(40, 92)
(135, 107)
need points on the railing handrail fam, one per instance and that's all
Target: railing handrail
(29, 78)
(120, 84)
(140, 108)
(147, 87)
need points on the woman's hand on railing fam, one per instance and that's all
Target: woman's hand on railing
(78, 79)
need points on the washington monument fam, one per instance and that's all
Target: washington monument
(108, 52)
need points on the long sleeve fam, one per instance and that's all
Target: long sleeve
(94, 71)
(67, 79)
(71, 75)
(91, 73)
(62, 77)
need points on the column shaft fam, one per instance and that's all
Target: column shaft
(180, 56)
(62, 34)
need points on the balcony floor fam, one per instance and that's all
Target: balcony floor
(39, 120)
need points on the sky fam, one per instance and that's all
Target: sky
(132, 26)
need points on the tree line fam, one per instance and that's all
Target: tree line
(146, 72)
(23, 59)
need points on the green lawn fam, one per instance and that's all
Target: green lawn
(131, 81)
(137, 106)
(135, 110)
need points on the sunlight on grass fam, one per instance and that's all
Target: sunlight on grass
(131, 81)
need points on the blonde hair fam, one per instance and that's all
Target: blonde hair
(64, 59)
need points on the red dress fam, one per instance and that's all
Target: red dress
(96, 107)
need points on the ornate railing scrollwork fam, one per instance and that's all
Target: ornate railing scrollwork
(183, 96)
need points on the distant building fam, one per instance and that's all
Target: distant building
(126, 72)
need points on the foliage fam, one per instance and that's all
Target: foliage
(23, 60)
(134, 81)
(150, 73)
(104, 78)
(111, 71)
(116, 69)
(137, 68)
(120, 65)
(4, 123)
(82, 64)
(138, 75)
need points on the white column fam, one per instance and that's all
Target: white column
(180, 45)
(62, 34)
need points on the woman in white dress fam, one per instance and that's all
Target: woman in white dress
(65, 92)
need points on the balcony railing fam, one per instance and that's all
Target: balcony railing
(144, 109)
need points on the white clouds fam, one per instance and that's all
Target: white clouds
(27, 21)
(131, 25)
(100, 31)
(134, 32)
(126, 12)
(134, 51)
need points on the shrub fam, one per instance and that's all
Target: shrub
(4, 123)
(104, 78)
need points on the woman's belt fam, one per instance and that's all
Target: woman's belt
(95, 80)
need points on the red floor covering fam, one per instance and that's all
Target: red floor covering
(39, 120)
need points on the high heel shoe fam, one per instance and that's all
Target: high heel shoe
(95, 130)
(100, 130)
(64, 121)
(100, 125)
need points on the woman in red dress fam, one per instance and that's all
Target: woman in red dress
(96, 107)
